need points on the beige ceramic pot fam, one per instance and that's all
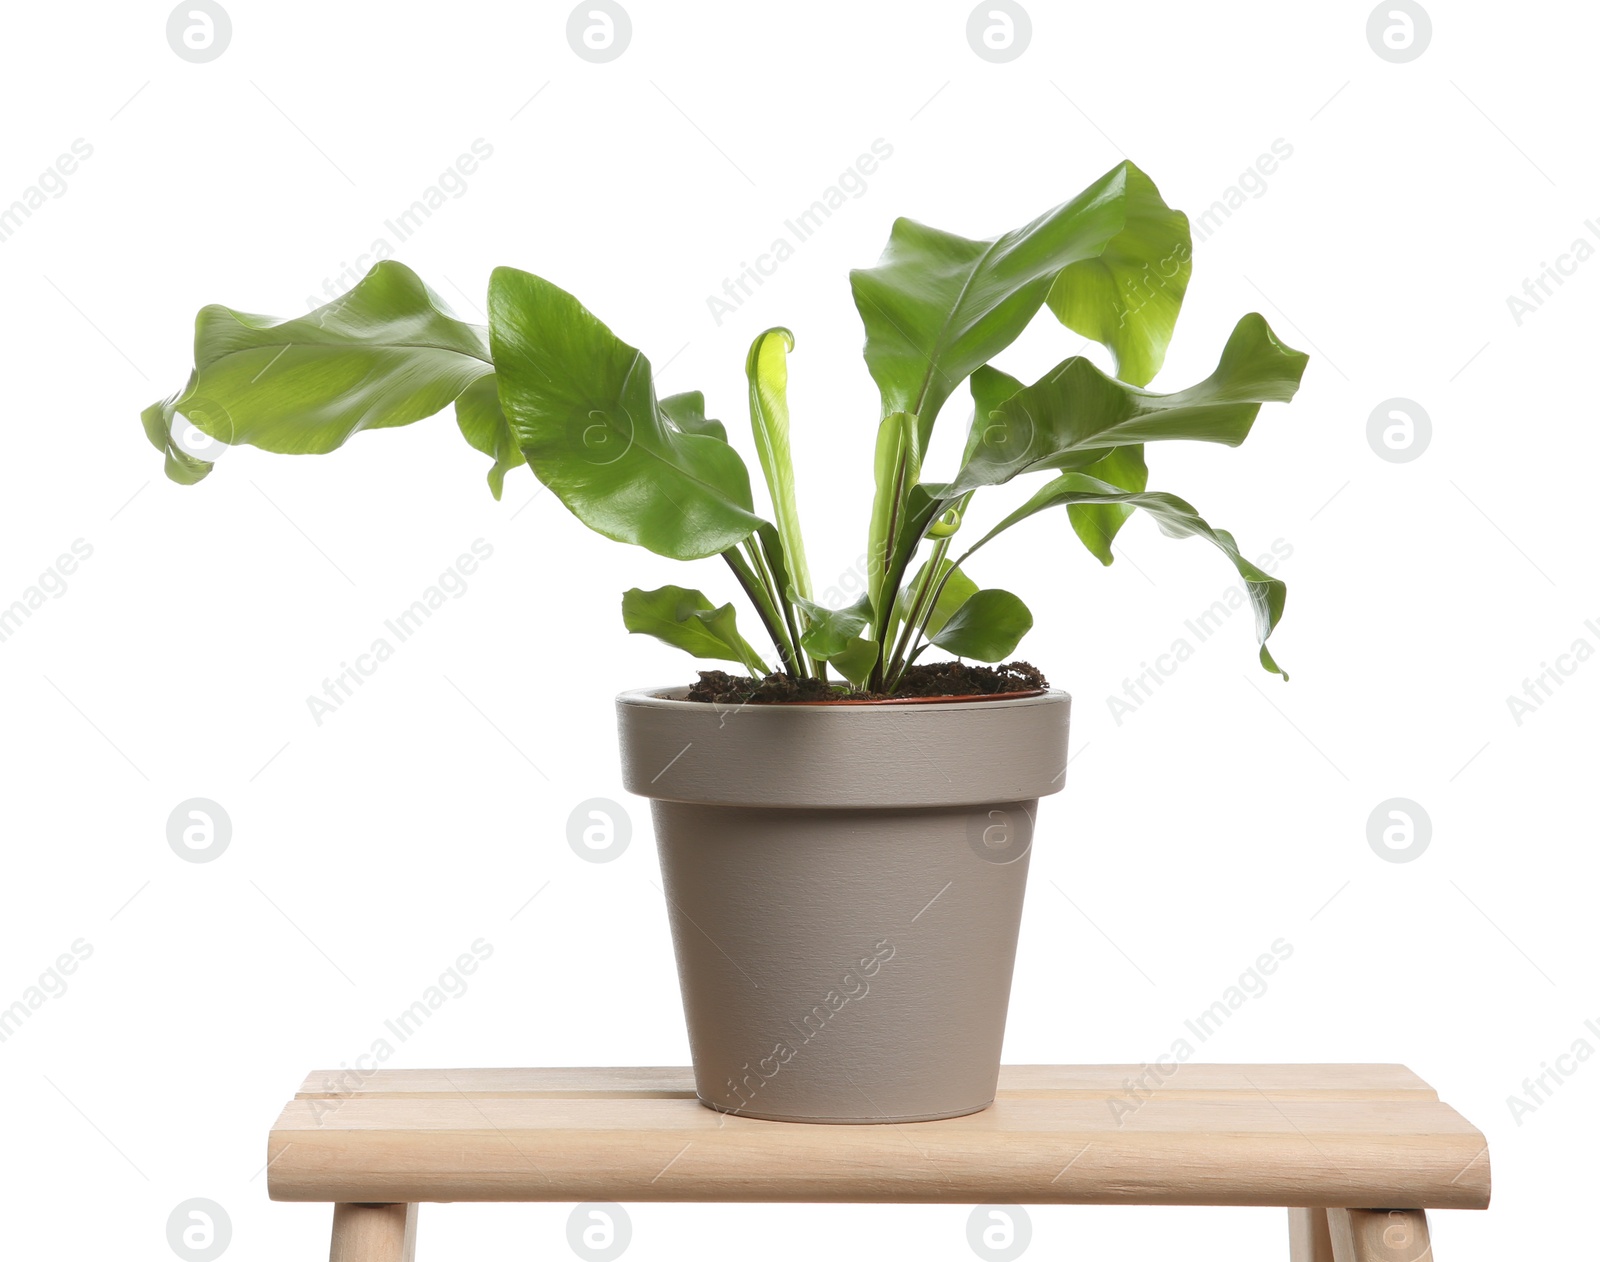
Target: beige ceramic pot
(844, 885)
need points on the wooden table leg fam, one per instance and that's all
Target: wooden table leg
(1379, 1235)
(374, 1233)
(1308, 1236)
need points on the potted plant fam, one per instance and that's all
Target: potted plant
(844, 828)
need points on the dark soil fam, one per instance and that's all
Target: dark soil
(936, 679)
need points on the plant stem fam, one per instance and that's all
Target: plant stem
(758, 597)
(921, 609)
(781, 599)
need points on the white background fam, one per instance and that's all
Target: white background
(1229, 811)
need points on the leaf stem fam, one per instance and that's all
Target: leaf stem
(757, 593)
(781, 601)
(921, 609)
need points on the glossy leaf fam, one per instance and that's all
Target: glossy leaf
(687, 413)
(987, 627)
(1127, 297)
(767, 370)
(1175, 517)
(484, 425)
(828, 633)
(938, 305)
(1097, 524)
(857, 661)
(387, 353)
(1075, 414)
(160, 420)
(685, 619)
(583, 407)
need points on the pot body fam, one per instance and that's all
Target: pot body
(844, 886)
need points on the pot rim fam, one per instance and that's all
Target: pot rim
(674, 697)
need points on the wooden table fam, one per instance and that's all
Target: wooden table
(1358, 1152)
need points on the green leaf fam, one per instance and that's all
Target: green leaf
(685, 619)
(767, 369)
(896, 465)
(990, 388)
(957, 589)
(1097, 524)
(828, 633)
(387, 353)
(158, 421)
(687, 413)
(1075, 414)
(1127, 297)
(938, 305)
(857, 661)
(484, 425)
(1176, 518)
(583, 407)
(987, 627)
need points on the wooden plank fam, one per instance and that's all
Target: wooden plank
(1379, 1235)
(1308, 1236)
(374, 1233)
(1233, 1149)
(1099, 1081)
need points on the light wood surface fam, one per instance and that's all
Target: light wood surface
(1301, 1135)
(1379, 1235)
(1308, 1236)
(374, 1233)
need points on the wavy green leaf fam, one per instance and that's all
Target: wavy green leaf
(1128, 296)
(1175, 517)
(687, 413)
(938, 305)
(685, 619)
(387, 353)
(1097, 524)
(828, 633)
(484, 425)
(158, 419)
(1075, 414)
(987, 627)
(583, 407)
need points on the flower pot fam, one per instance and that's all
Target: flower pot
(844, 886)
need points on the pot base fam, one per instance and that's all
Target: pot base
(759, 1116)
